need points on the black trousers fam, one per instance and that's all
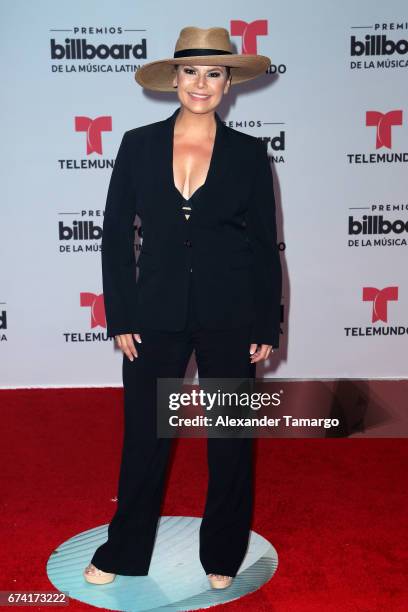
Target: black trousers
(227, 517)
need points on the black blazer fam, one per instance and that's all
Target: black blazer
(229, 242)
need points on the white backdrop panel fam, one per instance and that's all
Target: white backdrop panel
(319, 104)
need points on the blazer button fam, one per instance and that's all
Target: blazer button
(187, 243)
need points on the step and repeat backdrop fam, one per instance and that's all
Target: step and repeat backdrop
(333, 108)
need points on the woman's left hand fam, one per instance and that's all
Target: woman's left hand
(260, 354)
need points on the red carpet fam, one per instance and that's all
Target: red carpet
(335, 509)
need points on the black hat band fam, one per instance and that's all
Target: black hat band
(192, 52)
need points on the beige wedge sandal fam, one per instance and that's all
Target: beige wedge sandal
(96, 576)
(219, 582)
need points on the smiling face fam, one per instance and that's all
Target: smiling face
(201, 88)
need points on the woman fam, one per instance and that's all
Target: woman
(209, 281)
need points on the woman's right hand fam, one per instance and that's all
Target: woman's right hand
(126, 344)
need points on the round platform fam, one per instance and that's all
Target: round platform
(176, 579)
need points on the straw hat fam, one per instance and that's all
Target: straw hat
(201, 47)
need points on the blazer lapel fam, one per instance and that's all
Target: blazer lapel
(222, 159)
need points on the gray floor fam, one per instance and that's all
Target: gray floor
(176, 579)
